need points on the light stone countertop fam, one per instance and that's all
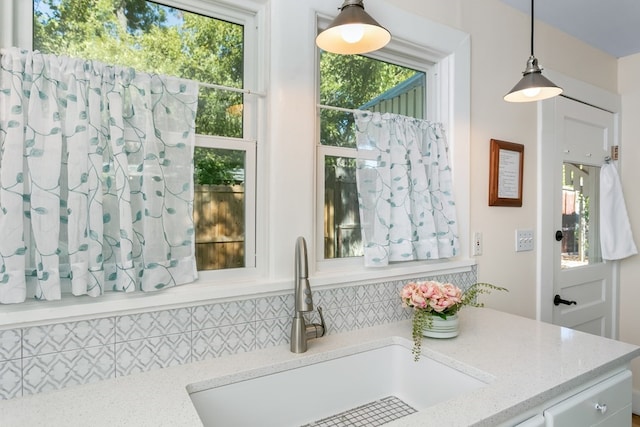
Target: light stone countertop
(526, 364)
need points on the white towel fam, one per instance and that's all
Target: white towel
(616, 238)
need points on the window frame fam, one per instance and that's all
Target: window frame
(248, 143)
(437, 100)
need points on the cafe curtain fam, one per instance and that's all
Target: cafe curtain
(96, 179)
(405, 192)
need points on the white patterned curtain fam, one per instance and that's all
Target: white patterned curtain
(95, 177)
(407, 209)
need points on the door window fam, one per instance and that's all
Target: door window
(580, 210)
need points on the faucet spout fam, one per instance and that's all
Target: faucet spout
(304, 300)
(300, 331)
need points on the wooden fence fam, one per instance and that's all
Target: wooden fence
(218, 211)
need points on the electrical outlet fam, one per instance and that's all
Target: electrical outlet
(524, 240)
(477, 243)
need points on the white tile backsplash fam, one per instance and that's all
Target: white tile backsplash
(53, 371)
(157, 352)
(59, 337)
(225, 340)
(49, 357)
(273, 331)
(222, 314)
(154, 324)
(10, 344)
(11, 379)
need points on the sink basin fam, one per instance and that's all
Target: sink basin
(312, 392)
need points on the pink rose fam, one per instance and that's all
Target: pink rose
(437, 306)
(408, 290)
(452, 292)
(418, 300)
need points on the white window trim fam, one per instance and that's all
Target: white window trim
(249, 147)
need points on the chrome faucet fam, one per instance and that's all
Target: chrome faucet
(301, 332)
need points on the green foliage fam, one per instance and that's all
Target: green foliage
(350, 81)
(470, 296)
(421, 320)
(217, 166)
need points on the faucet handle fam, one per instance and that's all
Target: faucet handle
(323, 328)
(316, 330)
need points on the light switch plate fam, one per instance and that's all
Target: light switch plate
(524, 240)
(477, 243)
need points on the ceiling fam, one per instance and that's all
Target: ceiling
(609, 25)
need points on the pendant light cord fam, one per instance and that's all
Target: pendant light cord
(532, 27)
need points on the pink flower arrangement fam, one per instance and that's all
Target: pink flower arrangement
(430, 298)
(441, 298)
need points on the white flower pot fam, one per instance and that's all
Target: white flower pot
(442, 328)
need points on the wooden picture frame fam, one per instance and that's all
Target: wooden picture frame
(506, 164)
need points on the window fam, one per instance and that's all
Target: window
(355, 82)
(213, 50)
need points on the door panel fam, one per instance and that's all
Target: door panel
(583, 136)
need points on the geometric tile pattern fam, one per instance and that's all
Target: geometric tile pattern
(223, 314)
(222, 341)
(154, 324)
(152, 353)
(11, 379)
(273, 332)
(274, 307)
(341, 319)
(10, 344)
(67, 336)
(53, 371)
(49, 357)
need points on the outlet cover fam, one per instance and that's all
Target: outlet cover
(524, 240)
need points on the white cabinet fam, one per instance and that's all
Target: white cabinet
(607, 403)
(604, 402)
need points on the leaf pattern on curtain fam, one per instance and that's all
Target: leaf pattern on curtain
(96, 177)
(407, 209)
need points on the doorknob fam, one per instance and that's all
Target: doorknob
(557, 300)
(559, 235)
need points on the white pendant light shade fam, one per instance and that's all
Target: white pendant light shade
(353, 31)
(533, 86)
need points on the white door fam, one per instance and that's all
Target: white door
(581, 293)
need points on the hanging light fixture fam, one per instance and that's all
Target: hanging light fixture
(533, 86)
(353, 31)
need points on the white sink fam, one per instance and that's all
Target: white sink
(305, 394)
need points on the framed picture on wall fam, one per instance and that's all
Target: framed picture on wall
(506, 163)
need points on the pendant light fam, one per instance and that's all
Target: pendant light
(533, 86)
(353, 31)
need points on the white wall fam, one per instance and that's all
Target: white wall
(629, 87)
